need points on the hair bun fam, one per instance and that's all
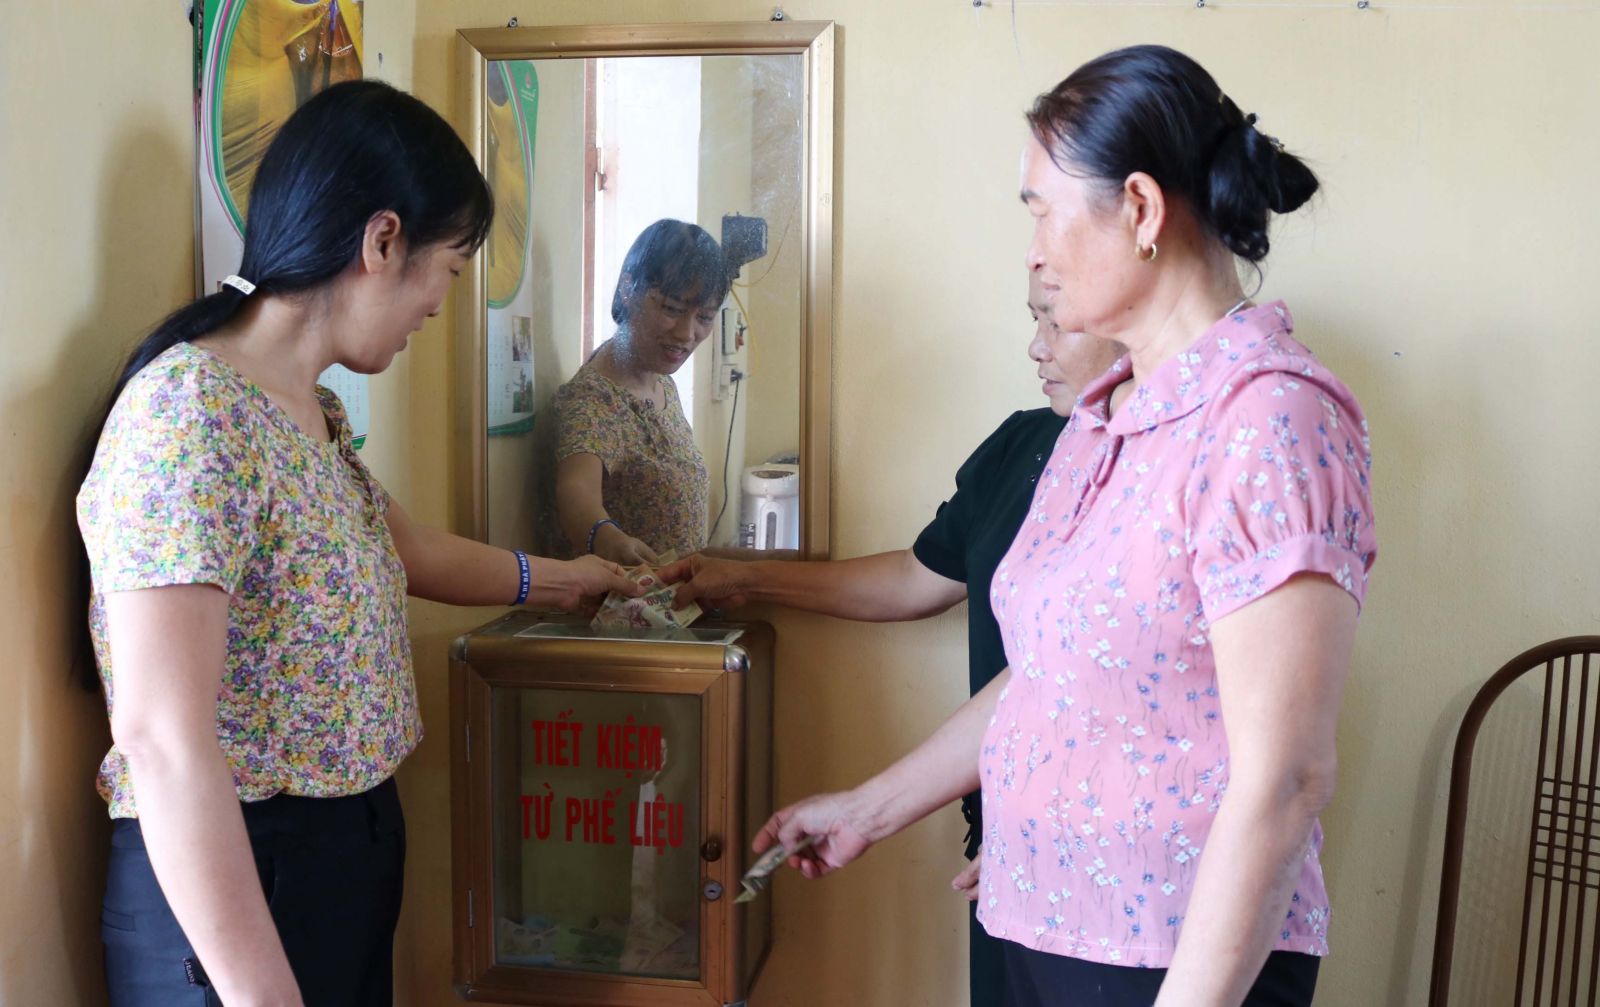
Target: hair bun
(1251, 177)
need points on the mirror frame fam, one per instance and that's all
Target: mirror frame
(814, 40)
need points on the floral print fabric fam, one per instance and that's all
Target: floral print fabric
(199, 478)
(655, 485)
(1236, 465)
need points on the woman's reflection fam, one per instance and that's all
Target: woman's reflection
(630, 481)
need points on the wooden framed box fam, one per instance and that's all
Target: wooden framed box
(605, 791)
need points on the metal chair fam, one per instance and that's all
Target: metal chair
(1558, 958)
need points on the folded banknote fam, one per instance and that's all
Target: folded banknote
(759, 876)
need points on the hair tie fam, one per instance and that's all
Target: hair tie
(238, 283)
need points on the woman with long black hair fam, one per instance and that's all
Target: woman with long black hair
(249, 579)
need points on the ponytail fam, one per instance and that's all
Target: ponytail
(198, 318)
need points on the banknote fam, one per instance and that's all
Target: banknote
(759, 876)
(651, 610)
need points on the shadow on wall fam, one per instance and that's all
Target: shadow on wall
(548, 375)
(52, 741)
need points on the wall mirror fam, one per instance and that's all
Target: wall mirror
(648, 327)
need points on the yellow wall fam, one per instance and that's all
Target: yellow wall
(1443, 273)
(96, 204)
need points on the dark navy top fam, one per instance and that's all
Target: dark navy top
(973, 529)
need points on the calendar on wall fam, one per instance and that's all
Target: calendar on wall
(512, 111)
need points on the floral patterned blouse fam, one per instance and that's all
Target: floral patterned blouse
(199, 478)
(655, 485)
(1238, 464)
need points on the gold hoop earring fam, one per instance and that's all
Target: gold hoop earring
(1138, 250)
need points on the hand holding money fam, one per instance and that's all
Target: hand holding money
(654, 609)
(759, 875)
(719, 583)
(818, 835)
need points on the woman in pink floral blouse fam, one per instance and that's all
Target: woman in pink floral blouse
(1180, 605)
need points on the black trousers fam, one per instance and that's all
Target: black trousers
(332, 870)
(1038, 979)
(986, 956)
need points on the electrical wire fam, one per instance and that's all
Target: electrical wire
(737, 377)
(744, 312)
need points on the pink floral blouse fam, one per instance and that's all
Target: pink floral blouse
(200, 478)
(1238, 464)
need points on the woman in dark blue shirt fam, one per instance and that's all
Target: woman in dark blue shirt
(952, 561)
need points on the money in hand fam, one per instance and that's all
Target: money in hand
(651, 610)
(759, 876)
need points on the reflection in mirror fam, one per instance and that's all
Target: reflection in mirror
(644, 294)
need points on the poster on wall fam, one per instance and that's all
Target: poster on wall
(513, 109)
(256, 62)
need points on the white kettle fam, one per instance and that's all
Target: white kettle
(770, 515)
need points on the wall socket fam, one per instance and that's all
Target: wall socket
(725, 349)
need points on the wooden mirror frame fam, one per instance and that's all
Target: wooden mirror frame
(477, 47)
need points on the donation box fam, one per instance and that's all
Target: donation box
(606, 790)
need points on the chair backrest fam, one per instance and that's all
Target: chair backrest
(1558, 957)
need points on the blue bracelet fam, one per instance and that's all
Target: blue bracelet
(596, 530)
(527, 578)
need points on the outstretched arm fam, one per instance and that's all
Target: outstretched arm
(459, 571)
(936, 772)
(887, 587)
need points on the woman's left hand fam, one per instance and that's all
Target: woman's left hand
(576, 585)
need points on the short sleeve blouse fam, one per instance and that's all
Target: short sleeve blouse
(1236, 465)
(200, 478)
(655, 482)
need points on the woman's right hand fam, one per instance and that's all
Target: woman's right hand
(841, 829)
(616, 545)
(576, 585)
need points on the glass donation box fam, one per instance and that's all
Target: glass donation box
(605, 792)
